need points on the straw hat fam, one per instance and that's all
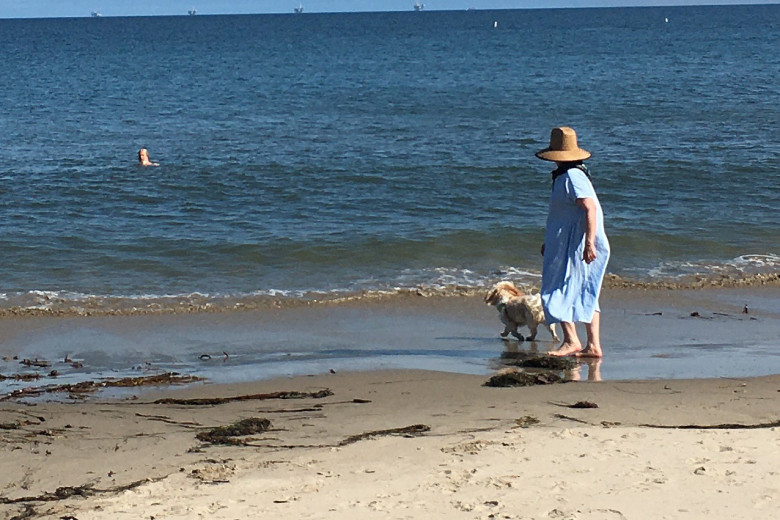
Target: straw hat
(563, 147)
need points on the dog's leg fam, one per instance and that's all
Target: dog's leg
(514, 333)
(509, 325)
(533, 329)
(517, 334)
(529, 319)
(551, 328)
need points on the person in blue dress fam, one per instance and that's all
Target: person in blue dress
(575, 249)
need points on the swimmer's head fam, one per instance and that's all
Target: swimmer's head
(143, 158)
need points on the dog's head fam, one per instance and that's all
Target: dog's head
(502, 292)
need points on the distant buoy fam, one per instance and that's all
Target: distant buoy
(666, 20)
(495, 24)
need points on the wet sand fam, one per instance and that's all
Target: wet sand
(646, 334)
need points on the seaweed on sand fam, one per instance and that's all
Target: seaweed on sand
(526, 421)
(523, 379)
(208, 401)
(66, 492)
(22, 377)
(725, 426)
(406, 431)
(227, 434)
(78, 389)
(584, 404)
(40, 363)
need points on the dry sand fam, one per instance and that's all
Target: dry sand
(652, 449)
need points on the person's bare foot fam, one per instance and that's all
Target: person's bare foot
(567, 349)
(591, 351)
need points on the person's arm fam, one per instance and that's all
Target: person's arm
(591, 223)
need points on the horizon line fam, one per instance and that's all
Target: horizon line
(98, 14)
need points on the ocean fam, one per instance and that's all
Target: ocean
(325, 153)
(318, 156)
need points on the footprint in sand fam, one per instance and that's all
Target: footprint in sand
(589, 514)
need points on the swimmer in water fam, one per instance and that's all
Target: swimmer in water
(143, 158)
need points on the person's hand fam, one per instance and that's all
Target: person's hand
(589, 253)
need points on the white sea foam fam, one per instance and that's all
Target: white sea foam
(435, 280)
(742, 265)
(760, 261)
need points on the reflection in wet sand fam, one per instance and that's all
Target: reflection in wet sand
(592, 368)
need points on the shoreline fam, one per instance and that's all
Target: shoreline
(647, 335)
(50, 304)
(397, 444)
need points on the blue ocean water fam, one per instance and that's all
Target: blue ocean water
(322, 153)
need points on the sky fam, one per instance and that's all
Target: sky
(77, 8)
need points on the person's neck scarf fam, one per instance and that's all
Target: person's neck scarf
(563, 168)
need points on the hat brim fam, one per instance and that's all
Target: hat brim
(563, 155)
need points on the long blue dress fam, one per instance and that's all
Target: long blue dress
(570, 286)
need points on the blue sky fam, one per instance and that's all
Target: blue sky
(59, 8)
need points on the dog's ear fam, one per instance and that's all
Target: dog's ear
(516, 292)
(492, 296)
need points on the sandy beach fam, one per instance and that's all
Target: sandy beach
(416, 443)
(403, 444)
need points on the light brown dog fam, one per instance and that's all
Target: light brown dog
(515, 308)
